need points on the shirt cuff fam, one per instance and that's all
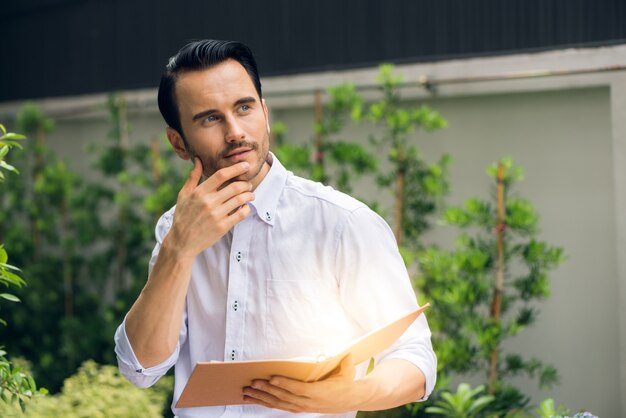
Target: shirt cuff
(130, 367)
(426, 366)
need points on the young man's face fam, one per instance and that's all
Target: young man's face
(223, 119)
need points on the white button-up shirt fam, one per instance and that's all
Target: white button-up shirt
(308, 270)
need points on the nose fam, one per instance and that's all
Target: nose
(233, 130)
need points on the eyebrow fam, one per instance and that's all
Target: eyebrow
(208, 112)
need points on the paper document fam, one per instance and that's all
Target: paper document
(221, 383)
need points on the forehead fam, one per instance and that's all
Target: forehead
(219, 85)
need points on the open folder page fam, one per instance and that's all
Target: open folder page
(221, 383)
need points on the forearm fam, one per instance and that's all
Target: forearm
(392, 383)
(153, 323)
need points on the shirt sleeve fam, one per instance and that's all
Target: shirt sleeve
(375, 289)
(127, 361)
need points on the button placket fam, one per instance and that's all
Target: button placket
(234, 341)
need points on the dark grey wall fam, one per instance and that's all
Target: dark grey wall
(70, 47)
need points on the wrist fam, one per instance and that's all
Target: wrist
(174, 249)
(364, 391)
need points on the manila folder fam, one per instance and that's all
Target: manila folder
(221, 383)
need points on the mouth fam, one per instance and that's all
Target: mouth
(238, 154)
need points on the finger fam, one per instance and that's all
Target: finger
(347, 367)
(271, 400)
(231, 205)
(237, 215)
(253, 401)
(233, 189)
(237, 194)
(347, 362)
(295, 397)
(193, 179)
(225, 174)
(295, 387)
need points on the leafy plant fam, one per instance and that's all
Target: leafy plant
(547, 409)
(48, 222)
(15, 385)
(98, 391)
(8, 277)
(417, 186)
(484, 289)
(465, 403)
(66, 230)
(8, 140)
(329, 159)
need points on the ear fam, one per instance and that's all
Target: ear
(177, 143)
(267, 115)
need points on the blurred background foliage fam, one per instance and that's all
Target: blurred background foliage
(98, 391)
(83, 242)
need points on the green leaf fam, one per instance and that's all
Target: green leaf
(11, 144)
(7, 276)
(12, 135)
(22, 405)
(8, 167)
(437, 410)
(546, 408)
(8, 266)
(9, 297)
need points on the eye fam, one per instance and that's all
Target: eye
(244, 108)
(211, 118)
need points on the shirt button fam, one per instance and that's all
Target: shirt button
(232, 355)
(268, 216)
(235, 305)
(238, 257)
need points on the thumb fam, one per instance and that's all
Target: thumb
(193, 179)
(347, 366)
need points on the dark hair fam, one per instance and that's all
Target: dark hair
(199, 55)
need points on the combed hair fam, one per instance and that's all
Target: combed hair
(200, 55)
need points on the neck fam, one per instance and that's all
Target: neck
(265, 168)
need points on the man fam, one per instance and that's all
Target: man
(256, 263)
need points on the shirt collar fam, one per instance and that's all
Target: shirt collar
(268, 192)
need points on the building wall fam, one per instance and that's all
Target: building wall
(566, 131)
(71, 47)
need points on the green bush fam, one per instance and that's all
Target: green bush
(465, 403)
(97, 391)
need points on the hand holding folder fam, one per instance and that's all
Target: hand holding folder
(221, 383)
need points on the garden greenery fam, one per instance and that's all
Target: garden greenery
(97, 391)
(473, 317)
(16, 385)
(83, 242)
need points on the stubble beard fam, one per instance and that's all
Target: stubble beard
(210, 165)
